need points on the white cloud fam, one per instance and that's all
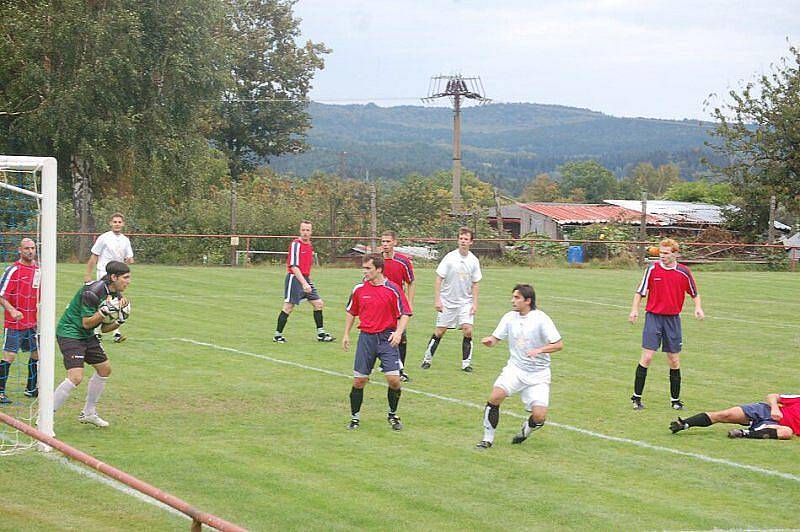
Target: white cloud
(625, 57)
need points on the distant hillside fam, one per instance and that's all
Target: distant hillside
(506, 144)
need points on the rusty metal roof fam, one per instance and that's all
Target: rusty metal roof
(582, 213)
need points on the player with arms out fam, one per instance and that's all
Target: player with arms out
(19, 295)
(532, 337)
(298, 286)
(111, 245)
(399, 270)
(94, 304)
(664, 284)
(776, 419)
(456, 298)
(383, 313)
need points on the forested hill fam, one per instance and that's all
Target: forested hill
(506, 144)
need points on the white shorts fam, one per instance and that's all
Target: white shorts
(453, 318)
(533, 387)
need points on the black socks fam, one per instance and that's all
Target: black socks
(638, 384)
(282, 319)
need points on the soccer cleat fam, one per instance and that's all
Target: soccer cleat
(279, 339)
(119, 338)
(404, 377)
(92, 419)
(677, 425)
(737, 433)
(394, 421)
(31, 393)
(468, 369)
(426, 363)
(637, 403)
(483, 444)
(325, 337)
(677, 404)
(353, 424)
(4, 400)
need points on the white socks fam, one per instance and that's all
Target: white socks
(62, 392)
(93, 392)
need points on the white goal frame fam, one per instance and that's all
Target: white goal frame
(47, 262)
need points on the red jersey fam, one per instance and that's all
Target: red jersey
(300, 255)
(665, 288)
(378, 307)
(20, 287)
(790, 408)
(398, 269)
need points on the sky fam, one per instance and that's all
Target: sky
(658, 59)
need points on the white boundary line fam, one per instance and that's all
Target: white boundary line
(641, 444)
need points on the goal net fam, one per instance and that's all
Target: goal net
(28, 206)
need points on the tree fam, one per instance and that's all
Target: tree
(758, 133)
(541, 188)
(596, 183)
(701, 191)
(656, 181)
(106, 86)
(263, 112)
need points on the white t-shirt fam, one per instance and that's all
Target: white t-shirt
(458, 273)
(535, 329)
(108, 247)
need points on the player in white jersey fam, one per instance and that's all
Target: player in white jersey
(532, 336)
(110, 246)
(456, 298)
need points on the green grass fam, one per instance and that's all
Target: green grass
(264, 444)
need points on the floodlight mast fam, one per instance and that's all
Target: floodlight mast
(457, 88)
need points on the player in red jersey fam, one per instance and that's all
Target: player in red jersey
(776, 419)
(665, 284)
(399, 270)
(298, 285)
(19, 295)
(383, 313)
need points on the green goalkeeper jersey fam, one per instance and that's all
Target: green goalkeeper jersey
(83, 305)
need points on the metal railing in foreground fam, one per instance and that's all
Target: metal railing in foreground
(199, 518)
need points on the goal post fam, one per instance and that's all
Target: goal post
(45, 192)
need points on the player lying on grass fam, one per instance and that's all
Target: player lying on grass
(532, 336)
(777, 419)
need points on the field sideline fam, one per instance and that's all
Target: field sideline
(204, 405)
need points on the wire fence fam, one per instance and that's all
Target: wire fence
(252, 249)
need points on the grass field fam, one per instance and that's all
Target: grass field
(203, 405)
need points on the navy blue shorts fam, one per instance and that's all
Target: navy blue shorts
(759, 415)
(20, 339)
(661, 330)
(372, 347)
(293, 291)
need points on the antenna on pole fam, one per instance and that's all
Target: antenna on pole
(457, 88)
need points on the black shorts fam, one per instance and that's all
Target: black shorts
(293, 291)
(661, 330)
(372, 347)
(79, 352)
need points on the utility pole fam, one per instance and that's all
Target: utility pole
(643, 228)
(773, 205)
(373, 211)
(234, 239)
(458, 89)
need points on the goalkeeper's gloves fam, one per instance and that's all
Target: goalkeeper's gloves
(107, 309)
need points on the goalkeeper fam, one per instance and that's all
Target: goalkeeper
(92, 305)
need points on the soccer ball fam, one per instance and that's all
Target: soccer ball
(113, 310)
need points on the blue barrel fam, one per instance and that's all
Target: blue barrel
(575, 254)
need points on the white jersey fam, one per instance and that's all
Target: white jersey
(458, 272)
(108, 247)
(535, 329)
